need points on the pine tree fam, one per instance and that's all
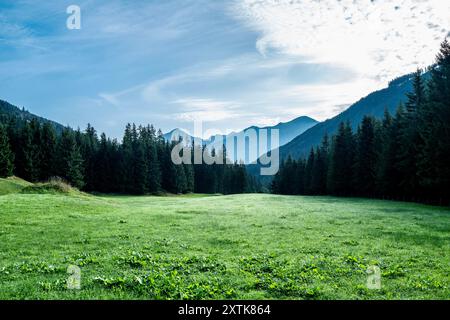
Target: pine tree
(341, 162)
(168, 169)
(299, 174)
(434, 156)
(75, 168)
(88, 142)
(386, 149)
(409, 140)
(126, 168)
(103, 160)
(320, 168)
(6, 155)
(139, 163)
(288, 178)
(47, 151)
(69, 164)
(365, 158)
(151, 156)
(28, 159)
(310, 163)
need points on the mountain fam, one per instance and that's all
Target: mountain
(374, 104)
(290, 130)
(9, 111)
(287, 131)
(176, 134)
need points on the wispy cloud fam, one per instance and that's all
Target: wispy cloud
(209, 110)
(231, 63)
(379, 39)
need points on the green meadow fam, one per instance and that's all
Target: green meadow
(251, 246)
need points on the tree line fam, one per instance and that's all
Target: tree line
(140, 164)
(405, 156)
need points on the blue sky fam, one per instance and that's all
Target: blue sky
(231, 63)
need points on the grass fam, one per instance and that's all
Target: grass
(53, 186)
(12, 185)
(221, 247)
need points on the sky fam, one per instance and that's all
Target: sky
(230, 63)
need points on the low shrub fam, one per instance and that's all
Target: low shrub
(54, 185)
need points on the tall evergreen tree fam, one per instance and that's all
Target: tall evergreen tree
(410, 141)
(75, 167)
(365, 158)
(341, 162)
(69, 164)
(6, 155)
(47, 151)
(152, 163)
(320, 168)
(434, 156)
(28, 159)
(310, 163)
(386, 148)
(88, 143)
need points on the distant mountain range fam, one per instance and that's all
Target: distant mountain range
(296, 136)
(374, 105)
(287, 132)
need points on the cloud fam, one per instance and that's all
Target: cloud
(233, 63)
(209, 110)
(379, 39)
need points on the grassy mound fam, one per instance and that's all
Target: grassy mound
(12, 185)
(53, 186)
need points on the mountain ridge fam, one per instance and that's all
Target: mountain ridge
(8, 111)
(288, 130)
(374, 104)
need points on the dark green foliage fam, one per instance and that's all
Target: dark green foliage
(6, 155)
(434, 155)
(365, 158)
(47, 152)
(341, 162)
(69, 161)
(409, 138)
(27, 162)
(75, 168)
(141, 164)
(405, 157)
(387, 177)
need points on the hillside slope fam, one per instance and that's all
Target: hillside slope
(9, 111)
(12, 185)
(374, 104)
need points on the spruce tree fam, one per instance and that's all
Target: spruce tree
(434, 156)
(88, 143)
(310, 163)
(47, 151)
(341, 161)
(75, 168)
(69, 163)
(386, 149)
(410, 141)
(6, 155)
(28, 156)
(365, 158)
